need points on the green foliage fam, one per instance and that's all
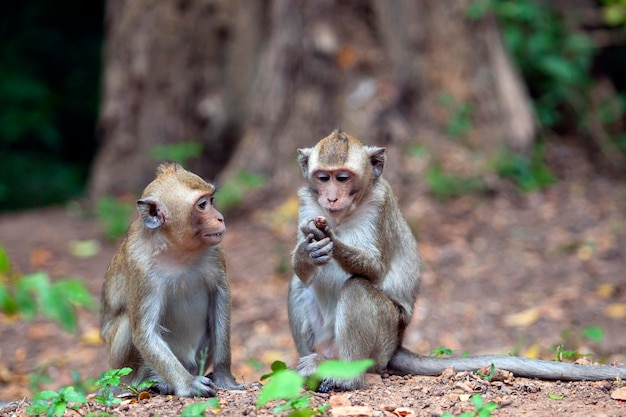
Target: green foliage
(31, 179)
(556, 64)
(614, 12)
(561, 353)
(177, 152)
(444, 185)
(529, 173)
(39, 377)
(114, 216)
(440, 351)
(34, 293)
(488, 377)
(55, 403)
(286, 384)
(593, 333)
(233, 191)
(459, 116)
(554, 60)
(482, 409)
(198, 409)
(107, 381)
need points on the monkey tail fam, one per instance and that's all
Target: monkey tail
(407, 362)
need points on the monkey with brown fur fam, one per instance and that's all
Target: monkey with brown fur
(357, 278)
(166, 298)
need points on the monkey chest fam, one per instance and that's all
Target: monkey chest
(184, 321)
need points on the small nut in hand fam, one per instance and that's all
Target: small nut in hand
(320, 222)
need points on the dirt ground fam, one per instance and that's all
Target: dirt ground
(506, 273)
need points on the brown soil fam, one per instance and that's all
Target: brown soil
(508, 273)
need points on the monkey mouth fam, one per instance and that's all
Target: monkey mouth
(213, 238)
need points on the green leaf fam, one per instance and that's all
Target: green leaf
(276, 366)
(556, 396)
(75, 291)
(5, 263)
(198, 409)
(71, 395)
(57, 408)
(46, 395)
(56, 306)
(111, 378)
(337, 369)
(83, 249)
(477, 400)
(36, 409)
(284, 384)
(594, 333)
(8, 304)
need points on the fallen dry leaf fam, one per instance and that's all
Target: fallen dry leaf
(605, 290)
(91, 337)
(339, 401)
(144, 395)
(40, 257)
(619, 394)
(404, 412)
(532, 352)
(615, 311)
(523, 318)
(352, 411)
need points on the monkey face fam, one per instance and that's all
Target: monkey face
(335, 189)
(208, 222)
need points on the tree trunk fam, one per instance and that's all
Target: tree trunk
(163, 83)
(281, 74)
(381, 70)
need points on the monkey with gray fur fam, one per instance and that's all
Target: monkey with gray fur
(357, 276)
(166, 298)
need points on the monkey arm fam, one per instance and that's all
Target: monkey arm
(301, 262)
(357, 261)
(314, 249)
(154, 350)
(220, 337)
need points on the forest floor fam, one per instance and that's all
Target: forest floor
(507, 273)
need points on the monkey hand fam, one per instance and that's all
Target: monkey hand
(312, 232)
(319, 243)
(201, 386)
(320, 251)
(225, 381)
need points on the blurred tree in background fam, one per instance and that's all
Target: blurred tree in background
(247, 82)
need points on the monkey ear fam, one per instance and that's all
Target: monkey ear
(152, 212)
(303, 158)
(377, 159)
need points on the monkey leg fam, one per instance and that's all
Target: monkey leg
(366, 327)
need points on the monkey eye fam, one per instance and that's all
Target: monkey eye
(322, 176)
(202, 203)
(342, 177)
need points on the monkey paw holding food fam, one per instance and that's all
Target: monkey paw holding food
(166, 298)
(357, 274)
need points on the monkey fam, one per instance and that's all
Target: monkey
(166, 299)
(357, 275)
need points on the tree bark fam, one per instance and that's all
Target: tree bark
(273, 76)
(163, 83)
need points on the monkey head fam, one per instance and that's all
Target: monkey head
(341, 170)
(178, 205)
